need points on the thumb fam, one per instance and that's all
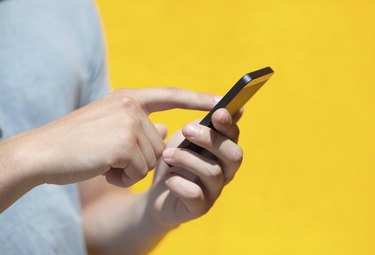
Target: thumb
(162, 129)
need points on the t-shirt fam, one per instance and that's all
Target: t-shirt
(52, 61)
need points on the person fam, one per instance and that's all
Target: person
(60, 126)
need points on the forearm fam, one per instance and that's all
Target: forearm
(121, 223)
(17, 174)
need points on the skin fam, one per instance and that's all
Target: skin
(126, 146)
(176, 196)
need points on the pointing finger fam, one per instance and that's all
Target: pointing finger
(164, 98)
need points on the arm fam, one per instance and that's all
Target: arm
(115, 221)
(18, 174)
(132, 231)
(121, 222)
(63, 151)
(111, 136)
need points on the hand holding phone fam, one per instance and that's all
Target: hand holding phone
(236, 97)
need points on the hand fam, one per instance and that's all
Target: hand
(190, 187)
(111, 136)
(137, 222)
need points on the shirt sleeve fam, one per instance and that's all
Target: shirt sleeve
(97, 84)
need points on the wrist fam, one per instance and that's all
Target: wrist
(20, 162)
(16, 175)
(152, 217)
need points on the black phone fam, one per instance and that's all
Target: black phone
(236, 97)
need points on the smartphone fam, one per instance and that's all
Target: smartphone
(236, 97)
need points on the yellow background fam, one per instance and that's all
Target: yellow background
(307, 182)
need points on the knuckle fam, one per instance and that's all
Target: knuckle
(159, 150)
(143, 173)
(116, 160)
(128, 140)
(116, 157)
(120, 159)
(129, 102)
(132, 123)
(152, 163)
(215, 171)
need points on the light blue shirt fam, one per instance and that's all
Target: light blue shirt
(52, 61)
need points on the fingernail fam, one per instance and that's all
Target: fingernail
(226, 118)
(167, 182)
(218, 98)
(192, 130)
(168, 153)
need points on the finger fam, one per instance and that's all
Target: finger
(189, 193)
(162, 129)
(136, 169)
(237, 116)
(226, 151)
(208, 170)
(149, 129)
(114, 177)
(225, 125)
(152, 134)
(164, 98)
(146, 149)
(214, 142)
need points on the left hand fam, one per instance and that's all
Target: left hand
(190, 187)
(135, 223)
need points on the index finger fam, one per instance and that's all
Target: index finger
(165, 98)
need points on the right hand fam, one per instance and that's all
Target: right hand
(111, 136)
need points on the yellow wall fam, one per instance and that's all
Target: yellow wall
(307, 184)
